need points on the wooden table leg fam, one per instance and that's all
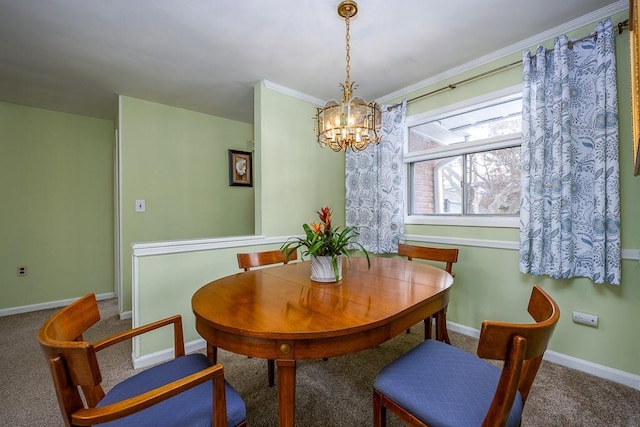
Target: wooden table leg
(212, 353)
(441, 326)
(427, 328)
(286, 392)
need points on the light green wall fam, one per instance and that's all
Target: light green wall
(56, 184)
(160, 297)
(296, 176)
(488, 284)
(177, 161)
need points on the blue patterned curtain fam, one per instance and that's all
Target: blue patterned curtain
(570, 206)
(374, 186)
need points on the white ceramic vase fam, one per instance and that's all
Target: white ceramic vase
(322, 269)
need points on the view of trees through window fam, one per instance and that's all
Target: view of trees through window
(482, 178)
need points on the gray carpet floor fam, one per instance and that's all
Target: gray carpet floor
(336, 392)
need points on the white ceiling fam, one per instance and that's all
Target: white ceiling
(206, 55)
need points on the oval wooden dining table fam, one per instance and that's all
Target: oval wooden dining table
(278, 313)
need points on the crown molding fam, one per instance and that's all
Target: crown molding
(293, 93)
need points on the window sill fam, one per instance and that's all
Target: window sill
(464, 221)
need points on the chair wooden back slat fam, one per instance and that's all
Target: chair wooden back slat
(505, 394)
(256, 259)
(67, 394)
(447, 255)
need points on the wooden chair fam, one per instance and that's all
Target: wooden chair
(185, 389)
(446, 255)
(438, 384)
(257, 259)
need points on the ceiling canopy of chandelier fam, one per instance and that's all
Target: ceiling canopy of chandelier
(352, 123)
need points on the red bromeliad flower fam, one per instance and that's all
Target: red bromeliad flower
(325, 217)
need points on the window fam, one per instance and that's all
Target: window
(463, 165)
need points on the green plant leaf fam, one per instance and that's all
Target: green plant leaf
(327, 242)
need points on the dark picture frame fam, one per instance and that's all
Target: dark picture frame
(240, 168)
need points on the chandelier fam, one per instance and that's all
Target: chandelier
(353, 123)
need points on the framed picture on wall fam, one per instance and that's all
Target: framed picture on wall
(240, 168)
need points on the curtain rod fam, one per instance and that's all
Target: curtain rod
(620, 27)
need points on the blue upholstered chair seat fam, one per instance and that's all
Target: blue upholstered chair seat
(443, 386)
(190, 408)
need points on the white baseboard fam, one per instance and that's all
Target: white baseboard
(164, 355)
(601, 371)
(464, 330)
(45, 305)
(125, 315)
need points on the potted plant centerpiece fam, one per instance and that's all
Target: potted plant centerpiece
(326, 246)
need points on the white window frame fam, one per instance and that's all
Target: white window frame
(508, 221)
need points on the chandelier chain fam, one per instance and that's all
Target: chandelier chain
(348, 57)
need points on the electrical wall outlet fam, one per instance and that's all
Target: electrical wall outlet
(141, 206)
(22, 270)
(585, 318)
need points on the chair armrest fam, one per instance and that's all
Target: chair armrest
(178, 337)
(91, 416)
